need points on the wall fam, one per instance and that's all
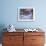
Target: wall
(9, 13)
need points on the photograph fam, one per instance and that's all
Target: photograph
(26, 14)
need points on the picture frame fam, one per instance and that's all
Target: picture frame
(26, 14)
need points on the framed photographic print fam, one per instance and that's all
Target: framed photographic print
(26, 14)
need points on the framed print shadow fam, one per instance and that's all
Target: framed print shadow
(26, 14)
